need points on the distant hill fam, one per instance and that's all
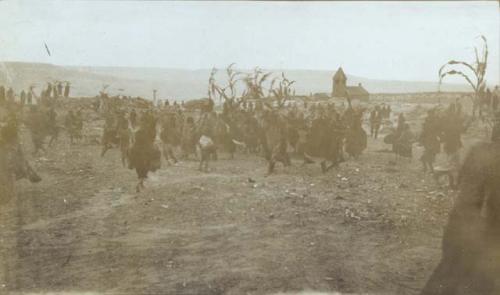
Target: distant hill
(181, 84)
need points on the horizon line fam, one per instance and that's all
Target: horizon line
(244, 69)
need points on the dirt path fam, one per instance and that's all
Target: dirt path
(371, 226)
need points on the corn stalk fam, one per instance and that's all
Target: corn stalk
(228, 92)
(280, 88)
(283, 92)
(477, 79)
(254, 83)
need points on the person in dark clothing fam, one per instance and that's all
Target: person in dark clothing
(48, 92)
(495, 99)
(29, 97)
(123, 133)
(109, 135)
(59, 90)
(188, 138)
(487, 99)
(170, 138)
(36, 124)
(22, 97)
(375, 121)
(356, 138)
(144, 156)
(69, 124)
(13, 164)
(52, 128)
(397, 132)
(66, 90)
(403, 144)
(495, 133)
(429, 139)
(148, 120)
(2, 95)
(452, 129)
(274, 140)
(10, 95)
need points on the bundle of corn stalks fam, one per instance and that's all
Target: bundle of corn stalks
(254, 83)
(257, 84)
(283, 92)
(227, 92)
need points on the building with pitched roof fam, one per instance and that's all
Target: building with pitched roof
(341, 90)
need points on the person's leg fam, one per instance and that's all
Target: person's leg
(164, 151)
(207, 160)
(424, 162)
(123, 151)
(171, 154)
(271, 164)
(431, 161)
(202, 159)
(104, 149)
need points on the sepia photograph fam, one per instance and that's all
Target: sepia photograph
(249, 147)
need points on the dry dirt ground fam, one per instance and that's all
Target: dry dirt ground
(371, 226)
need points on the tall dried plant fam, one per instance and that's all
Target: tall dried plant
(476, 79)
(254, 83)
(283, 92)
(227, 92)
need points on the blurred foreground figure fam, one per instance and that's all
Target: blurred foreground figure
(470, 262)
(13, 164)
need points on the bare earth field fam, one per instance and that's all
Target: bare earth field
(371, 226)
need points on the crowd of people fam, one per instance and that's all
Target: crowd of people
(310, 131)
(28, 96)
(487, 101)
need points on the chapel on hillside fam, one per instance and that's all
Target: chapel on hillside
(340, 88)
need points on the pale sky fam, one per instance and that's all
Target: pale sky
(393, 40)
